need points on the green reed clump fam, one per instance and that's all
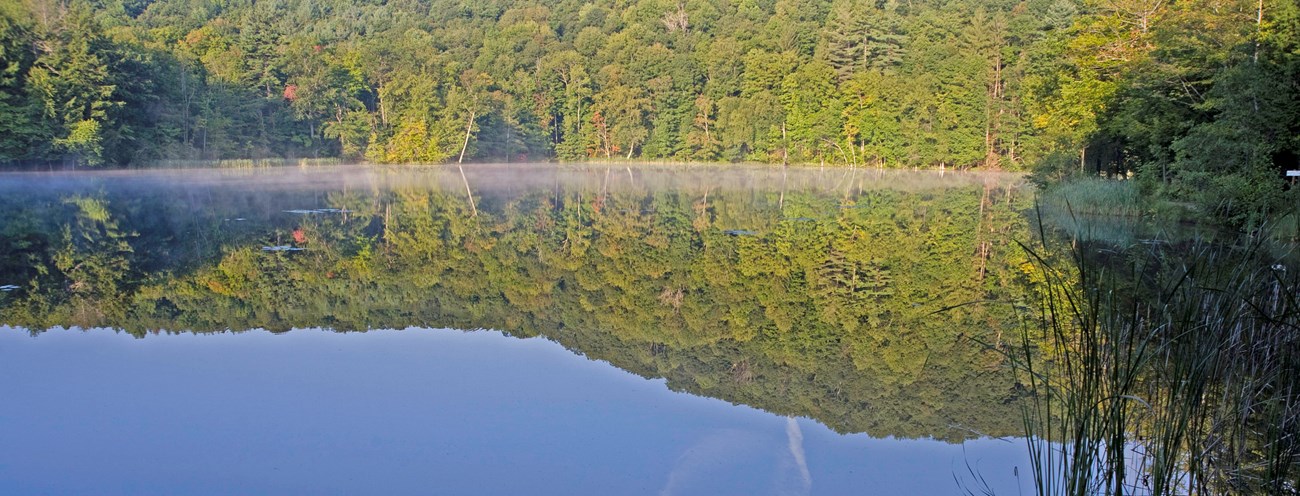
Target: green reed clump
(1097, 196)
(1162, 369)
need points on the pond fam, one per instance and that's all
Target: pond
(511, 329)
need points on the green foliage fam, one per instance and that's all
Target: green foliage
(19, 110)
(411, 143)
(1197, 99)
(749, 81)
(84, 141)
(73, 81)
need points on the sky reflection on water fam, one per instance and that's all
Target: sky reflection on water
(423, 411)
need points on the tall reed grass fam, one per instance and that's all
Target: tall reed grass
(1096, 196)
(1162, 369)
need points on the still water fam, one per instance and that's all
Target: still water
(563, 330)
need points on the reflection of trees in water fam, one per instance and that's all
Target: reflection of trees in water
(94, 260)
(829, 310)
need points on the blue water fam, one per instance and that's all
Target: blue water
(416, 411)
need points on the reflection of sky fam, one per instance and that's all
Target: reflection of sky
(415, 411)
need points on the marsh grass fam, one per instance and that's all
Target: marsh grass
(1095, 196)
(1162, 369)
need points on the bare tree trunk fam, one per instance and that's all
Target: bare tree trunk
(785, 147)
(843, 155)
(988, 130)
(1259, 22)
(383, 106)
(993, 114)
(468, 127)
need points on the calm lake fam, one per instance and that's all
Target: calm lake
(530, 329)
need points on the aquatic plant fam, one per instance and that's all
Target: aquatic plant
(1162, 368)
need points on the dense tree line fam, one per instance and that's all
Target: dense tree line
(1197, 97)
(848, 81)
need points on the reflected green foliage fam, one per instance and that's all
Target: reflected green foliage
(830, 296)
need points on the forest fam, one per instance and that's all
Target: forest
(1196, 98)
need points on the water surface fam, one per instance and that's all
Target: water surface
(701, 331)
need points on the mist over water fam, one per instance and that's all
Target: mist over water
(510, 177)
